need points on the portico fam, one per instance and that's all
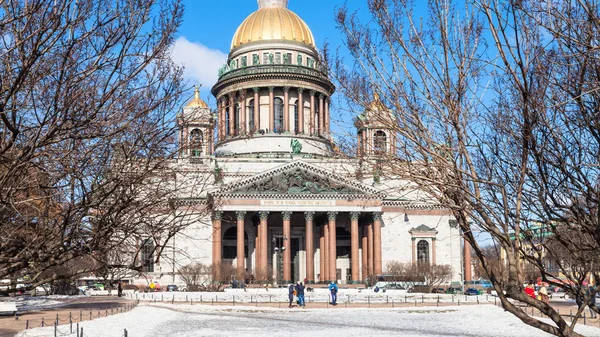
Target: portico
(298, 202)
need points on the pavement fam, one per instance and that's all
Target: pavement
(75, 308)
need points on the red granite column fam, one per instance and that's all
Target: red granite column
(223, 120)
(271, 109)
(242, 120)
(332, 246)
(241, 257)
(377, 253)
(467, 262)
(310, 249)
(365, 258)
(287, 252)
(312, 113)
(370, 248)
(327, 119)
(321, 115)
(326, 253)
(354, 247)
(231, 115)
(322, 254)
(264, 244)
(300, 107)
(216, 258)
(286, 109)
(256, 109)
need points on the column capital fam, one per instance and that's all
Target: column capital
(231, 95)
(264, 215)
(332, 215)
(312, 92)
(256, 89)
(300, 90)
(271, 88)
(354, 216)
(217, 215)
(321, 95)
(287, 216)
(310, 216)
(377, 215)
(286, 89)
(242, 93)
(240, 215)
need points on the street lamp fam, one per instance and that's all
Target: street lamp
(279, 249)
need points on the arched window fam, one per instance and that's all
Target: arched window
(278, 102)
(423, 252)
(196, 140)
(380, 141)
(148, 256)
(236, 120)
(251, 116)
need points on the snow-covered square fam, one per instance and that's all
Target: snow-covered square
(183, 320)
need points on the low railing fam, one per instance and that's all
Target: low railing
(274, 69)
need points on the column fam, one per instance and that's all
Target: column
(223, 120)
(327, 119)
(332, 246)
(264, 244)
(414, 250)
(241, 258)
(326, 252)
(467, 261)
(218, 120)
(300, 107)
(322, 254)
(354, 246)
(321, 115)
(377, 258)
(256, 109)
(311, 126)
(365, 263)
(257, 267)
(242, 112)
(364, 144)
(310, 249)
(370, 249)
(286, 109)
(287, 252)
(433, 252)
(216, 260)
(271, 109)
(231, 115)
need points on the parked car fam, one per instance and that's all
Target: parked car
(393, 287)
(172, 287)
(454, 291)
(419, 289)
(438, 291)
(472, 292)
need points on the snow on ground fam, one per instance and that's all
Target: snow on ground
(185, 320)
(39, 302)
(319, 295)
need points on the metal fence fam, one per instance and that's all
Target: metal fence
(70, 323)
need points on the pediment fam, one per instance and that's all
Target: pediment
(422, 229)
(298, 179)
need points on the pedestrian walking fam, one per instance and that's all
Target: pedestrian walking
(333, 289)
(300, 291)
(544, 295)
(591, 293)
(291, 293)
(119, 289)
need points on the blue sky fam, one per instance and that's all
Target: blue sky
(208, 27)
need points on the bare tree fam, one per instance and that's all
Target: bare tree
(195, 276)
(493, 116)
(88, 96)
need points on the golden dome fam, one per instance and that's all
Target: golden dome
(273, 23)
(197, 102)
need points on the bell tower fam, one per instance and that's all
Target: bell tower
(375, 130)
(196, 124)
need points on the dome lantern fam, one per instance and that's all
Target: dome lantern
(272, 3)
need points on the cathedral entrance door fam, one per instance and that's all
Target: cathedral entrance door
(295, 267)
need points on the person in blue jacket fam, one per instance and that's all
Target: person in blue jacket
(300, 291)
(333, 289)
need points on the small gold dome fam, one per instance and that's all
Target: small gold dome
(197, 102)
(273, 23)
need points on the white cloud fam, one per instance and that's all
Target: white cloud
(201, 63)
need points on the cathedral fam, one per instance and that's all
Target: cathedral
(284, 203)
